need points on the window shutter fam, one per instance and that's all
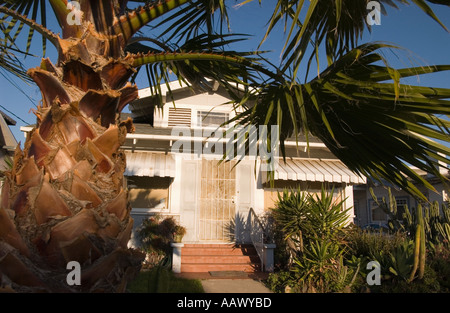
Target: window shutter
(179, 117)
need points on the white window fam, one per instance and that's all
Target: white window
(206, 118)
(377, 213)
(402, 204)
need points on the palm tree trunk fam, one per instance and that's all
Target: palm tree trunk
(65, 198)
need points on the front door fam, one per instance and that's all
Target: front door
(217, 208)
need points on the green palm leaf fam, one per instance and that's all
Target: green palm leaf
(378, 127)
(338, 24)
(200, 61)
(30, 8)
(198, 16)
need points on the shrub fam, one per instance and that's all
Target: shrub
(428, 284)
(440, 263)
(281, 281)
(313, 228)
(374, 246)
(156, 234)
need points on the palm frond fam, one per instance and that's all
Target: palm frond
(195, 18)
(131, 22)
(17, 17)
(377, 126)
(27, 12)
(10, 63)
(338, 24)
(201, 61)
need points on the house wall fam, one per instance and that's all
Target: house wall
(341, 192)
(187, 188)
(194, 101)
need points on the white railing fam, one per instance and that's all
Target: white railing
(261, 240)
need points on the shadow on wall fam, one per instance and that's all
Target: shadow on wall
(235, 230)
(149, 192)
(238, 234)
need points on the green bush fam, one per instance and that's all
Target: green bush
(395, 253)
(428, 284)
(318, 252)
(372, 243)
(281, 281)
(313, 228)
(156, 234)
(440, 263)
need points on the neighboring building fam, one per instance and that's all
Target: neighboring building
(8, 143)
(368, 213)
(213, 200)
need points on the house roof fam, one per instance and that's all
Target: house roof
(147, 129)
(7, 139)
(9, 120)
(315, 170)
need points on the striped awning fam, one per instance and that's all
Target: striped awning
(149, 164)
(316, 170)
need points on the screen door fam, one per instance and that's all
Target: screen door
(216, 207)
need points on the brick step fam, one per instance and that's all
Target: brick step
(217, 251)
(216, 259)
(217, 245)
(219, 257)
(207, 267)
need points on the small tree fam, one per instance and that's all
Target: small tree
(156, 234)
(314, 227)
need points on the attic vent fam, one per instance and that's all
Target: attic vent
(179, 117)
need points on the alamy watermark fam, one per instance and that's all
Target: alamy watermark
(75, 15)
(374, 15)
(74, 276)
(374, 276)
(236, 143)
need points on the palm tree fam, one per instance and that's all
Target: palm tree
(65, 198)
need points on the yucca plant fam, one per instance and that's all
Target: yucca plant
(304, 216)
(314, 226)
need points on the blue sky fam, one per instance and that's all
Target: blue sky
(426, 43)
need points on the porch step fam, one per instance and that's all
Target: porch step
(219, 257)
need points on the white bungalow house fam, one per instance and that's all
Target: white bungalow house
(173, 169)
